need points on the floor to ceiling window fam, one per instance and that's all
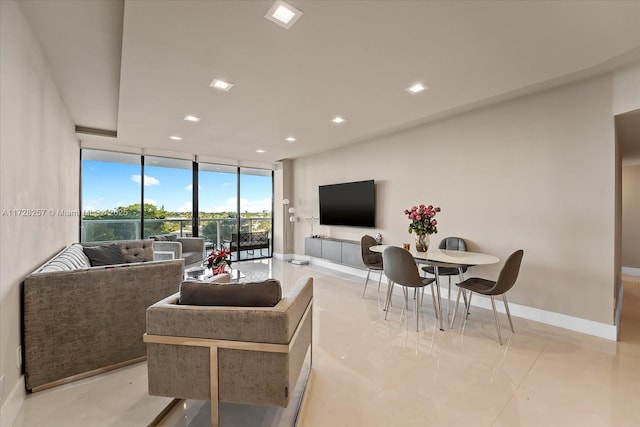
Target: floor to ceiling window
(128, 196)
(168, 201)
(256, 212)
(218, 204)
(110, 196)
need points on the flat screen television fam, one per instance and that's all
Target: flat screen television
(351, 204)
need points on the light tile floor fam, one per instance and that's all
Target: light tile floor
(372, 372)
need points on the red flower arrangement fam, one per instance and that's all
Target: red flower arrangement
(422, 221)
(218, 259)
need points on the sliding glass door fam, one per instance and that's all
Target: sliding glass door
(218, 204)
(222, 213)
(256, 213)
(167, 191)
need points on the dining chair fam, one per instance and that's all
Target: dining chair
(453, 244)
(506, 279)
(372, 260)
(450, 243)
(401, 269)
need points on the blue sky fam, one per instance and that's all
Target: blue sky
(107, 185)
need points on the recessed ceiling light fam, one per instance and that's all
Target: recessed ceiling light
(283, 14)
(338, 119)
(259, 150)
(290, 139)
(221, 84)
(175, 138)
(192, 118)
(416, 88)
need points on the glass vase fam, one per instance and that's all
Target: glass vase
(422, 242)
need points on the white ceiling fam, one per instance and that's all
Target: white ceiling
(137, 67)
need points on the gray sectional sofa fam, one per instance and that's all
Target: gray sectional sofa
(80, 320)
(191, 249)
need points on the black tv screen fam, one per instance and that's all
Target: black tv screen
(352, 204)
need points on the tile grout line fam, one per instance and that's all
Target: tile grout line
(519, 385)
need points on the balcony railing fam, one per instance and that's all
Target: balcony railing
(214, 230)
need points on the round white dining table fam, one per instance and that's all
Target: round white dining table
(446, 258)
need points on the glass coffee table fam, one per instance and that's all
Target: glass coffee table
(202, 274)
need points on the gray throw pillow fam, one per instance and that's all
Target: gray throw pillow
(137, 250)
(257, 294)
(108, 254)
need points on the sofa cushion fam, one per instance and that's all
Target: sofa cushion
(107, 254)
(165, 238)
(137, 250)
(191, 257)
(256, 294)
(72, 258)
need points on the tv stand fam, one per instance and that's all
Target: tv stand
(340, 251)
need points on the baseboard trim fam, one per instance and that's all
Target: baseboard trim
(284, 257)
(577, 324)
(631, 271)
(87, 374)
(619, 309)
(552, 318)
(13, 404)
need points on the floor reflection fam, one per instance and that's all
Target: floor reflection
(372, 372)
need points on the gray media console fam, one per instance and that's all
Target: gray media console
(340, 251)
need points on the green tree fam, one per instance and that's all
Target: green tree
(224, 223)
(122, 223)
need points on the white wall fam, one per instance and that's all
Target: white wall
(536, 173)
(626, 89)
(39, 164)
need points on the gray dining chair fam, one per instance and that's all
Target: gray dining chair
(401, 269)
(371, 260)
(506, 279)
(449, 243)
